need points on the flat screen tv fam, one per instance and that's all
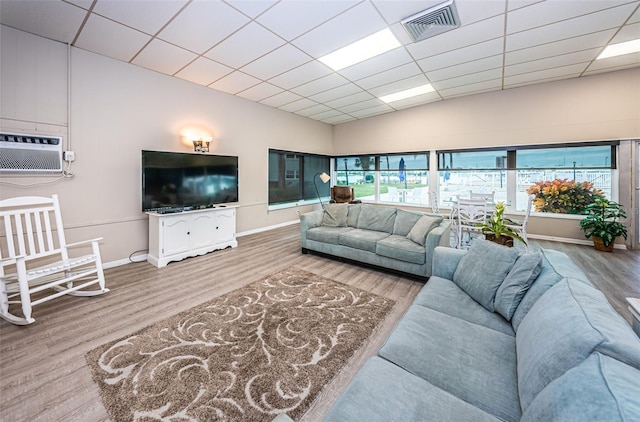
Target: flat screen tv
(185, 180)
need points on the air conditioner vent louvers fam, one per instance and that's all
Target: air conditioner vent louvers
(433, 21)
(21, 153)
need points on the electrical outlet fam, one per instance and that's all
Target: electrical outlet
(69, 156)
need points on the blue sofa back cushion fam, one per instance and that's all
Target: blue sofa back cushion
(566, 325)
(483, 269)
(335, 215)
(599, 389)
(353, 214)
(377, 218)
(517, 283)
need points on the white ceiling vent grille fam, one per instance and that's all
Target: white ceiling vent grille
(436, 20)
(20, 153)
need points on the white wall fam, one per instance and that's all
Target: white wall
(117, 110)
(599, 107)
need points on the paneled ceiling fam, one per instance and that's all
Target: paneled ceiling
(267, 50)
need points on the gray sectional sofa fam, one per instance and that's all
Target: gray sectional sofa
(382, 236)
(495, 335)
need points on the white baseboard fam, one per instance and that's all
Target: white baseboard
(267, 228)
(586, 242)
(124, 261)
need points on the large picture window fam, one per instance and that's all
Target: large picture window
(291, 176)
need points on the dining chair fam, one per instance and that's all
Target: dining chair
(520, 226)
(469, 213)
(489, 197)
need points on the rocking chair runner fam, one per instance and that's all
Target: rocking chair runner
(33, 237)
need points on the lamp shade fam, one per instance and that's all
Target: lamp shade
(324, 177)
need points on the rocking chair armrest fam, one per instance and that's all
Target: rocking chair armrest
(12, 260)
(83, 242)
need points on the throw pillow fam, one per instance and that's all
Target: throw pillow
(352, 215)
(482, 270)
(335, 215)
(405, 221)
(517, 283)
(421, 229)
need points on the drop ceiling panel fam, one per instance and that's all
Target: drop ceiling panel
(414, 101)
(291, 19)
(278, 100)
(316, 109)
(276, 62)
(56, 20)
(397, 86)
(235, 82)
(245, 45)
(545, 75)
(594, 22)
(585, 57)
(372, 111)
(493, 62)
(343, 118)
(392, 75)
(136, 13)
(548, 12)
(596, 39)
(462, 55)
(462, 37)
(106, 37)
(325, 83)
(298, 105)
(389, 60)
(252, 8)
(329, 114)
(350, 99)
(301, 75)
(346, 28)
(374, 102)
(260, 92)
(627, 33)
(619, 62)
(204, 71)
(472, 78)
(335, 93)
(193, 30)
(484, 86)
(163, 57)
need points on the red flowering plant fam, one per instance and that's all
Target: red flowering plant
(563, 196)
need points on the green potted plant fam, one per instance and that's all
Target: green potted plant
(602, 223)
(496, 231)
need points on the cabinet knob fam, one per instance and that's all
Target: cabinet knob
(188, 232)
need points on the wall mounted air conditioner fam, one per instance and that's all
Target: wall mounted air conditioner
(23, 153)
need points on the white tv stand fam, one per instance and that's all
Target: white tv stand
(174, 237)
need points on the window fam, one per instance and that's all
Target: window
(565, 178)
(386, 178)
(291, 176)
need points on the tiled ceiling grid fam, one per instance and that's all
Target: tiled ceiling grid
(266, 50)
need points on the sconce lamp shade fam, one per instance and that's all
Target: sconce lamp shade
(324, 177)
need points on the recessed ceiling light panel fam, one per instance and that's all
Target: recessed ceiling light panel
(407, 93)
(433, 21)
(359, 51)
(619, 49)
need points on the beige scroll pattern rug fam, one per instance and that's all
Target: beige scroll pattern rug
(265, 349)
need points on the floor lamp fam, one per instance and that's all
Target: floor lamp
(324, 177)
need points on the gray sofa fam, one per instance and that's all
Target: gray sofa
(497, 336)
(382, 236)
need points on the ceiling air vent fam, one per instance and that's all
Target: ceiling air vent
(433, 21)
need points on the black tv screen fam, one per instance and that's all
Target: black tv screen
(179, 180)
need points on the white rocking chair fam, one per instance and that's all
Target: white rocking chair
(33, 237)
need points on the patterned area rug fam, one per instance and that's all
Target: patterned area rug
(249, 355)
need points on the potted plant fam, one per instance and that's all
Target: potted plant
(602, 223)
(496, 231)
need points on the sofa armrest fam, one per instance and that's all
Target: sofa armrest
(439, 236)
(308, 221)
(445, 261)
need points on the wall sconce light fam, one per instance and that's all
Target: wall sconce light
(324, 177)
(202, 144)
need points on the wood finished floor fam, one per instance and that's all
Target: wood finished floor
(43, 374)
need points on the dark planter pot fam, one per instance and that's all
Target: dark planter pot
(599, 244)
(502, 240)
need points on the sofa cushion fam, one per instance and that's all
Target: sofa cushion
(326, 234)
(445, 296)
(402, 249)
(599, 389)
(517, 283)
(483, 269)
(564, 266)
(545, 280)
(566, 325)
(361, 239)
(383, 392)
(405, 221)
(352, 215)
(421, 229)
(474, 363)
(377, 218)
(335, 215)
